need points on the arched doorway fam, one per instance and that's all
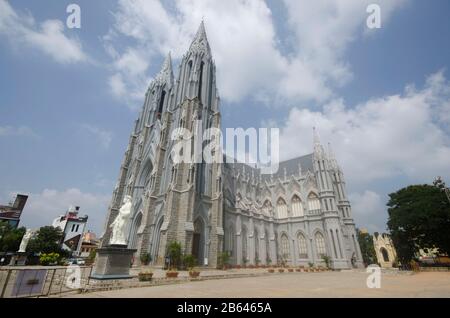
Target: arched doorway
(158, 259)
(385, 254)
(198, 241)
(132, 242)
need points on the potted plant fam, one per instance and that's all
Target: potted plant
(223, 260)
(290, 270)
(145, 276)
(271, 270)
(244, 262)
(257, 261)
(327, 261)
(281, 270)
(190, 261)
(145, 258)
(174, 252)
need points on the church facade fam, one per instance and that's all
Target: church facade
(295, 216)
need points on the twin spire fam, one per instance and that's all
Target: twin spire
(199, 45)
(319, 151)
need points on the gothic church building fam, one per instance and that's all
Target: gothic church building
(295, 216)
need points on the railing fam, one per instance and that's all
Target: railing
(42, 281)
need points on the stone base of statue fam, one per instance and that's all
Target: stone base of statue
(18, 259)
(113, 262)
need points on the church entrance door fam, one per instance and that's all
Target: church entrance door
(198, 241)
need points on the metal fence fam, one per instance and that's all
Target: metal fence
(42, 281)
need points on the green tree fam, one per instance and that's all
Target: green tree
(365, 241)
(47, 240)
(419, 217)
(10, 237)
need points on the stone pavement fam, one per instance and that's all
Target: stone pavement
(324, 284)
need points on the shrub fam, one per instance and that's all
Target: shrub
(190, 261)
(327, 260)
(49, 259)
(223, 260)
(146, 258)
(174, 252)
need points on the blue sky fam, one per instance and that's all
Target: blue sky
(69, 97)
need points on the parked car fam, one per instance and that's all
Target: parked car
(76, 261)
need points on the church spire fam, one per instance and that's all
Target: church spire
(165, 75)
(318, 149)
(332, 158)
(200, 42)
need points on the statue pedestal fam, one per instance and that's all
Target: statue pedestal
(113, 262)
(18, 259)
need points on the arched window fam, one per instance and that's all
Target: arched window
(297, 208)
(313, 202)
(320, 245)
(267, 208)
(230, 240)
(161, 104)
(385, 254)
(302, 246)
(200, 82)
(285, 252)
(281, 209)
(244, 244)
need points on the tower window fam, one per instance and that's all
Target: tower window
(161, 104)
(200, 81)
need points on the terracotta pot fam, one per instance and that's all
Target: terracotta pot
(194, 274)
(298, 269)
(271, 270)
(171, 274)
(290, 270)
(145, 277)
(281, 270)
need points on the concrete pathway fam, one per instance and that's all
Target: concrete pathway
(325, 284)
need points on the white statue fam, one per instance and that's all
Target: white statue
(119, 226)
(25, 239)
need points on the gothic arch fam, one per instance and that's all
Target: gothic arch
(285, 249)
(199, 239)
(320, 243)
(135, 225)
(281, 208)
(302, 243)
(385, 254)
(297, 205)
(313, 202)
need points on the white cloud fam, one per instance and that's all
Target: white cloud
(388, 137)
(48, 37)
(395, 139)
(103, 137)
(8, 131)
(43, 207)
(369, 210)
(242, 37)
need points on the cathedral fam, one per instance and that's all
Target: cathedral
(296, 216)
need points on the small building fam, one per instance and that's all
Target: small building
(89, 243)
(384, 249)
(73, 227)
(11, 213)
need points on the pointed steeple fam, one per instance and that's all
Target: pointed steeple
(332, 158)
(200, 42)
(165, 75)
(318, 149)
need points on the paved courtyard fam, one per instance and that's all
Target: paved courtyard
(326, 284)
